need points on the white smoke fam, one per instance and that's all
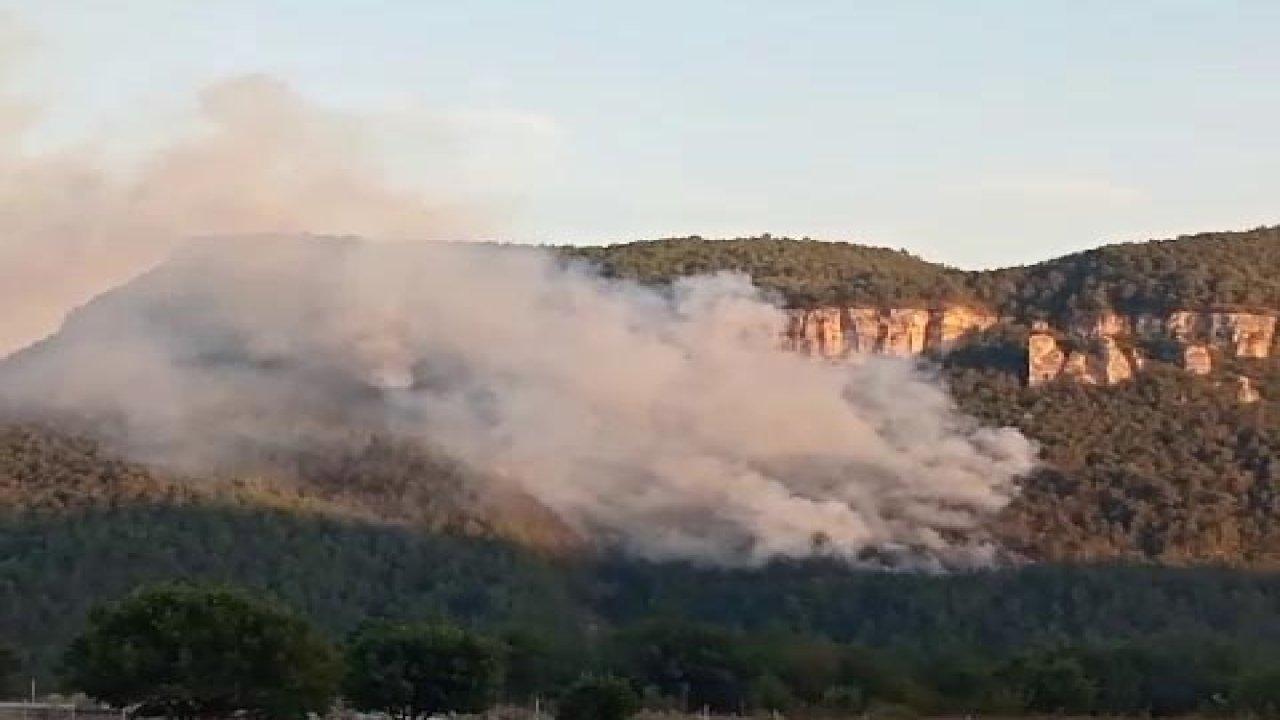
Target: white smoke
(256, 157)
(669, 423)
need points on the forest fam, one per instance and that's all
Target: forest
(811, 637)
(1138, 574)
(1220, 269)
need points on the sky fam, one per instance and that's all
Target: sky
(973, 133)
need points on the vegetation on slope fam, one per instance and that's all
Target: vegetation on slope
(1235, 269)
(1167, 467)
(1222, 269)
(802, 273)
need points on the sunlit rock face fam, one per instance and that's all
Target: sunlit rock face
(951, 326)
(1115, 365)
(1104, 362)
(838, 332)
(1096, 347)
(1245, 391)
(1107, 336)
(1247, 335)
(1197, 360)
(1240, 334)
(1045, 358)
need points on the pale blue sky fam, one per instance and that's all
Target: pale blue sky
(976, 133)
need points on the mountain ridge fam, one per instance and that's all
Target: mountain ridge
(379, 476)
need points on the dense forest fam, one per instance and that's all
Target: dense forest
(1166, 467)
(1221, 269)
(1133, 639)
(1234, 269)
(802, 273)
(1142, 551)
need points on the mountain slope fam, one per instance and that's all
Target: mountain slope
(803, 273)
(1206, 270)
(1169, 468)
(1166, 469)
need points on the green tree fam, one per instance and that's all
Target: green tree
(535, 662)
(598, 698)
(1258, 691)
(696, 665)
(415, 670)
(185, 651)
(9, 666)
(1052, 682)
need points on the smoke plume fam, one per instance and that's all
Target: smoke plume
(665, 422)
(259, 159)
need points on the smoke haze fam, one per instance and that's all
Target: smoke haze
(259, 159)
(668, 423)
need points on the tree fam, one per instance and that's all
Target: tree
(598, 698)
(536, 663)
(411, 671)
(1258, 691)
(185, 651)
(9, 666)
(1052, 683)
(697, 665)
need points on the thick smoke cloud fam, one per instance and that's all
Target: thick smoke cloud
(259, 158)
(668, 423)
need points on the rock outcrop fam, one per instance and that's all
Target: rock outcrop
(1104, 362)
(1104, 334)
(1197, 360)
(1245, 391)
(1094, 347)
(837, 332)
(1045, 358)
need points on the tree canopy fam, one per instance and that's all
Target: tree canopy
(417, 670)
(185, 651)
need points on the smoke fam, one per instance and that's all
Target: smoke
(665, 422)
(259, 158)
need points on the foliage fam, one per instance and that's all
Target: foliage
(701, 666)
(800, 272)
(1051, 684)
(1199, 271)
(418, 670)
(1167, 467)
(1208, 270)
(1168, 473)
(186, 651)
(9, 667)
(598, 698)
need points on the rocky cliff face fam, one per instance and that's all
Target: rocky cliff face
(837, 332)
(1108, 340)
(1097, 348)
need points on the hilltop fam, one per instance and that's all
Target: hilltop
(1163, 468)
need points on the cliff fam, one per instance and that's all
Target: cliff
(1096, 348)
(1109, 344)
(835, 333)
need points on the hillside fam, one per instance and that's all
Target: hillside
(805, 273)
(1171, 468)
(1207, 270)
(1162, 468)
